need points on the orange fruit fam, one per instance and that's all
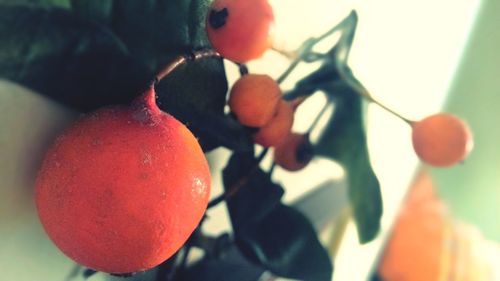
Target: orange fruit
(442, 140)
(278, 128)
(254, 99)
(294, 153)
(240, 30)
(418, 248)
(123, 188)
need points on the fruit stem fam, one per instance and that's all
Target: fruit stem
(305, 53)
(318, 117)
(347, 76)
(291, 55)
(339, 231)
(243, 68)
(340, 54)
(182, 59)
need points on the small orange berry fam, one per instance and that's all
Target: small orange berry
(294, 153)
(254, 99)
(442, 140)
(278, 128)
(240, 30)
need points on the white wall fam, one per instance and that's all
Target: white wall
(473, 189)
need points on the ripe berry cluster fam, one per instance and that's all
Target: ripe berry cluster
(240, 31)
(256, 101)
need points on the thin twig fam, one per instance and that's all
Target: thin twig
(243, 68)
(287, 54)
(339, 231)
(305, 52)
(287, 72)
(341, 52)
(182, 59)
(318, 117)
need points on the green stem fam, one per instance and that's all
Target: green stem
(339, 231)
(341, 55)
(318, 117)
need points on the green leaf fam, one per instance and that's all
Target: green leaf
(344, 140)
(96, 10)
(255, 198)
(75, 62)
(214, 130)
(156, 32)
(286, 244)
(37, 3)
(269, 233)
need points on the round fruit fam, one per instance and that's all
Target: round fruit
(278, 128)
(442, 140)
(418, 248)
(240, 30)
(294, 153)
(254, 99)
(123, 188)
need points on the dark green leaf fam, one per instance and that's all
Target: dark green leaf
(156, 32)
(75, 62)
(344, 140)
(82, 64)
(286, 244)
(269, 233)
(233, 268)
(214, 130)
(37, 3)
(96, 10)
(254, 199)
(326, 73)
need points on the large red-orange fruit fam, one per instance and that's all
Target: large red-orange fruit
(123, 188)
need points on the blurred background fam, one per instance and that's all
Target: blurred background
(417, 57)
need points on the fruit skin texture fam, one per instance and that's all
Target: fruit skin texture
(246, 33)
(278, 128)
(254, 99)
(442, 140)
(294, 153)
(122, 189)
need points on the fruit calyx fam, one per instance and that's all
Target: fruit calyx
(218, 19)
(146, 109)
